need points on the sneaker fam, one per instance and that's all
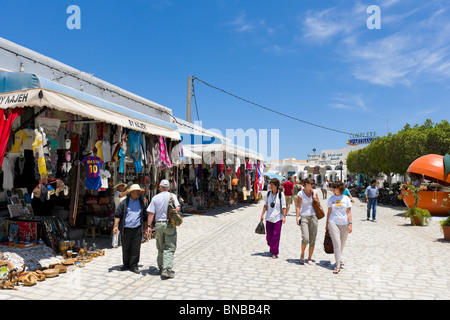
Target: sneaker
(374, 220)
(167, 274)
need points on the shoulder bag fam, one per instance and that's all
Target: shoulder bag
(317, 207)
(174, 217)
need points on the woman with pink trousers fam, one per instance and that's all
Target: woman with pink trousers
(275, 210)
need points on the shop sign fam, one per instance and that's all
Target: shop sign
(13, 98)
(372, 134)
(313, 157)
(355, 142)
(136, 124)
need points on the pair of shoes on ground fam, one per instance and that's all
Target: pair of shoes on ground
(373, 220)
(135, 270)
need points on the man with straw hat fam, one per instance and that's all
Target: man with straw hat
(166, 235)
(131, 217)
(119, 193)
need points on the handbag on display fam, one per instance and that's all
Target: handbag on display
(260, 228)
(328, 243)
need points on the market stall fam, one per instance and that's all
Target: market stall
(225, 175)
(62, 151)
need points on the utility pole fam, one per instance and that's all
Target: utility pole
(189, 95)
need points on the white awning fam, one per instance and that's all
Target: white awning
(44, 93)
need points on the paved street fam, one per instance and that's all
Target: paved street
(220, 257)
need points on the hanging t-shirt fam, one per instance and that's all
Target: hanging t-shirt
(339, 207)
(27, 144)
(106, 151)
(8, 173)
(38, 151)
(61, 137)
(93, 165)
(98, 146)
(19, 137)
(135, 141)
(105, 175)
(121, 156)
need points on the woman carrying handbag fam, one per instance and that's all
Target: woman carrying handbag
(306, 219)
(275, 210)
(339, 221)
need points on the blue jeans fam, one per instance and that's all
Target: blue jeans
(372, 204)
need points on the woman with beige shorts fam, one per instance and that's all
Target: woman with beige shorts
(306, 219)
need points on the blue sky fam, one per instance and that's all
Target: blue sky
(314, 60)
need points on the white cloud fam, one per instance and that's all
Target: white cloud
(413, 45)
(350, 102)
(241, 23)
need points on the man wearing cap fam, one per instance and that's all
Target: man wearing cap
(166, 235)
(131, 217)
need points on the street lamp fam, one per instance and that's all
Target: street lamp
(341, 164)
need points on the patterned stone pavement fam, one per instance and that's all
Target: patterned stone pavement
(219, 257)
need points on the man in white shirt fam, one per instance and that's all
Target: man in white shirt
(325, 188)
(166, 235)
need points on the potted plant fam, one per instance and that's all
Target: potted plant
(418, 216)
(446, 228)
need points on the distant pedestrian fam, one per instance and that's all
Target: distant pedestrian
(288, 186)
(306, 219)
(371, 199)
(325, 186)
(275, 210)
(348, 194)
(339, 222)
(166, 235)
(131, 218)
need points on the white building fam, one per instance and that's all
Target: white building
(326, 164)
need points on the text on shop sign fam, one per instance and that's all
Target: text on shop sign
(14, 98)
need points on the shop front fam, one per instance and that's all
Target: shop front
(225, 175)
(64, 155)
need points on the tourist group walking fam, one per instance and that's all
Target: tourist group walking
(338, 217)
(136, 222)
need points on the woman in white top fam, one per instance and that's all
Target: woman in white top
(306, 219)
(339, 221)
(275, 209)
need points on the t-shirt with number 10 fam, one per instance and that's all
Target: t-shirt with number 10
(93, 178)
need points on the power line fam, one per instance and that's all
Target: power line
(268, 109)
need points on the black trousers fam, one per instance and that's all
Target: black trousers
(131, 246)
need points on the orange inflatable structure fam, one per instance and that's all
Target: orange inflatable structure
(432, 168)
